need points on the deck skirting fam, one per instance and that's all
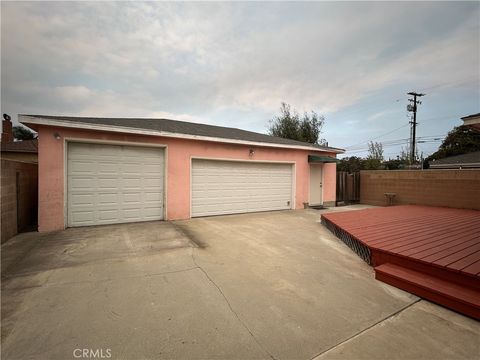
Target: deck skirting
(432, 252)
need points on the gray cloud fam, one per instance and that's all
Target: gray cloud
(233, 63)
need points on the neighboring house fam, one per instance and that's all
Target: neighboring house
(472, 121)
(464, 161)
(24, 151)
(109, 170)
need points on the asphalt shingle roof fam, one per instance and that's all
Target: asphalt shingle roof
(183, 127)
(470, 158)
(471, 116)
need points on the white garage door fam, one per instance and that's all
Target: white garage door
(229, 187)
(109, 184)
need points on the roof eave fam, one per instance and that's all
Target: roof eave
(472, 116)
(36, 120)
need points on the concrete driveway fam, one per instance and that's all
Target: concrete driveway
(256, 286)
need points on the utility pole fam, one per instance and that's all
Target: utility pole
(413, 108)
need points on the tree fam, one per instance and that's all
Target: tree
(461, 140)
(22, 133)
(351, 164)
(405, 156)
(375, 156)
(394, 164)
(290, 125)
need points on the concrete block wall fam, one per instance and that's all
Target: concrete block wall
(450, 188)
(22, 214)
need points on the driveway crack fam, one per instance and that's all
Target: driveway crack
(396, 313)
(230, 306)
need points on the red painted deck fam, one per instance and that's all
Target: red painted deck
(440, 245)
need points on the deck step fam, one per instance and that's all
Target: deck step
(454, 296)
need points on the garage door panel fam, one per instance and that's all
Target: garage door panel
(131, 183)
(112, 184)
(152, 212)
(83, 199)
(134, 213)
(108, 199)
(227, 187)
(108, 214)
(81, 183)
(81, 167)
(152, 170)
(130, 197)
(82, 217)
(152, 198)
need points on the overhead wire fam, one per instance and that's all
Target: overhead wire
(397, 142)
(379, 136)
(356, 148)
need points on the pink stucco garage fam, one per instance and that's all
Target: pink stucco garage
(107, 170)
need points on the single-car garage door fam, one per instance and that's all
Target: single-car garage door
(231, 187)
(108, 184)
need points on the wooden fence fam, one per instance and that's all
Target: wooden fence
(19, 197)
(348, 187)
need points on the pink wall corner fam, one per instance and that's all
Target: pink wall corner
(50, 181)
(179, 153)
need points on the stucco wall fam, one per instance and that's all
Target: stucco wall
(178, 152)
(450, 188)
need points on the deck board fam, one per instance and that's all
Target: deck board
(436, 252)
(440, 243)
(435, 235)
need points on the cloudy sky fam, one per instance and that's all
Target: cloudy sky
(232, 64)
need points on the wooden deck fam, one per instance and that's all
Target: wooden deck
(433, 252)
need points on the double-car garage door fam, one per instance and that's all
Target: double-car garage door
(109, 184)
(231, 187)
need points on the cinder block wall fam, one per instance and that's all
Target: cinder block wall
(450, 188)
(21, 215)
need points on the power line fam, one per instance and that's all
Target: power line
(425, 137)
(413, 108)
(455, 83)
(451, 83)
(365, 104)
(400, 127)
(387, 142)
(379, 136)
(396, 142)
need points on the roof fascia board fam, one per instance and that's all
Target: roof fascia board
(25, 119)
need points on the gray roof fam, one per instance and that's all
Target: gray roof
(181, 127)
(470, 116)
(470, 158)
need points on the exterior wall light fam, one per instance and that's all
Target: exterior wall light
(56, 136)
(251, 152)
